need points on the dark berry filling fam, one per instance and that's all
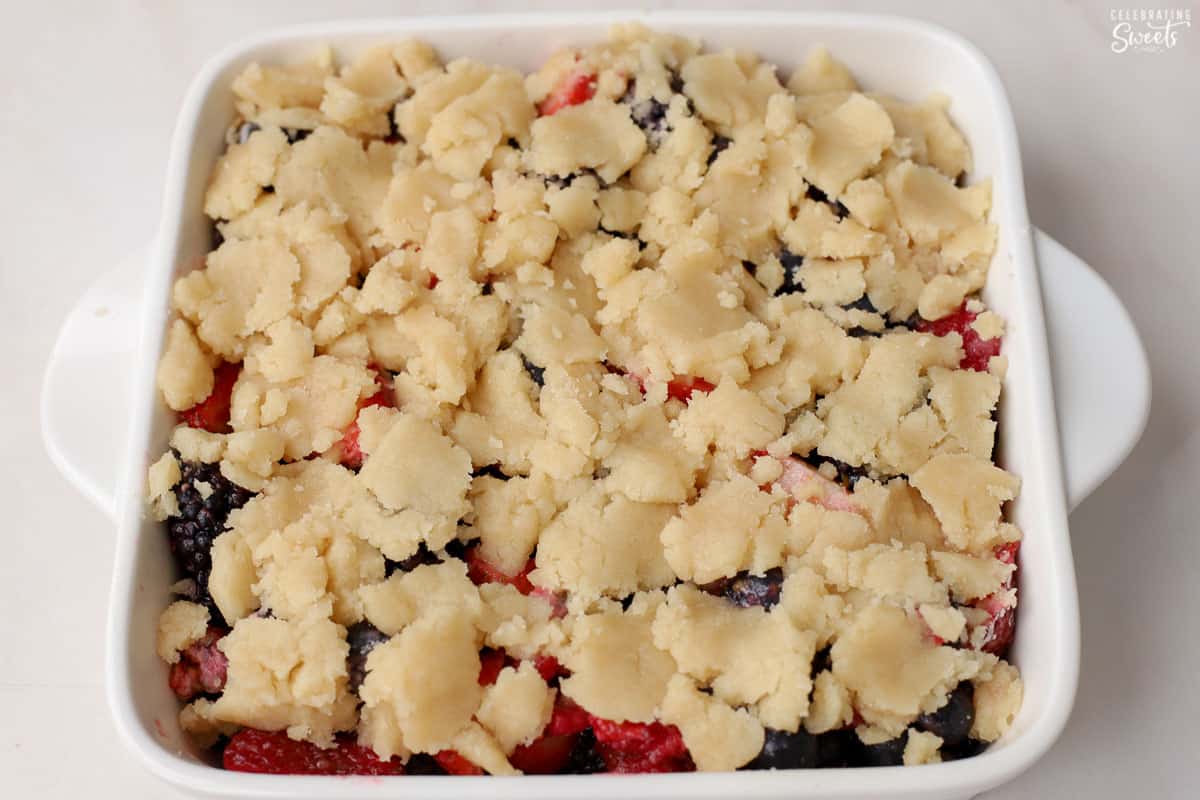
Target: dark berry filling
(200, 520)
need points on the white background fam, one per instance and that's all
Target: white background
(88, 97)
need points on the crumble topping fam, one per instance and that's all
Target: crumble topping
(642, 376)
(181, 624)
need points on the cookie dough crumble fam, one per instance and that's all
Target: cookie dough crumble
(636, 414)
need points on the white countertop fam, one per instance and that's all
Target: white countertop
(88, 97)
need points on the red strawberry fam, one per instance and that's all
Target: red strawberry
(641, 747)
(1002, 623)
(575, 88)
(544, 756)
(567, 718)
(352, 454)
(200, 669)
(482, 571)
(683, 388)
(212, 413)
(455, 764)
(490, 663)
(548, 667)
(977, 351)
(272, 752)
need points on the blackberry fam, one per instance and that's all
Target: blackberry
(201, 520)
(748, 590)
(585, 759)
(363, 637)
(953, 721)
(791, 272)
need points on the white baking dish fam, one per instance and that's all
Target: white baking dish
(902, 57)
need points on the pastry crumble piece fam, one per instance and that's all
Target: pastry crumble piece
(212, 413)
(977, 351)
(352, 455)
(575, 88)
(275, 753)
(601, 419)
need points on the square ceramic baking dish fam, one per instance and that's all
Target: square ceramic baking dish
(115, 336)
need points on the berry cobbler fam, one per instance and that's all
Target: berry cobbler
(633, 415)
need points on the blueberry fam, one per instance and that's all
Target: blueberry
(783, 750)
(791, 272)
(245, 129)
(296, 134)
(719, 144)
(848, 475)
(884, 754)
(363, 637)
(748, 591)
(813, 193)
(423, 556)
(536, 373)
(862, 304)
(491, 470)
(964, 749)
(953, 721)
(423, 764)
(838, 748)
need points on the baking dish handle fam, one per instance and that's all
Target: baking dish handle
(1101, 374)
(87, 384)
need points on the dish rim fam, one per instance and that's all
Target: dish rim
(978, 773)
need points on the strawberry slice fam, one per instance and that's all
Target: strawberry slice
(577, 87)
(480, 570)
(803, 482)
(548, 667)
(683, 388)
(641, 747)
(567, 718)
(212, 413)
(977, 351)
(680, 387)
(272, 752)
(352, 454)
(201, 667)
(544, 756)
(1001, 625)
(455, 764)
(490, 663)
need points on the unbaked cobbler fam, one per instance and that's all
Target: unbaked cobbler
(634, 415)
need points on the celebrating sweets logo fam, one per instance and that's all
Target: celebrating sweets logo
(1147, 30)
